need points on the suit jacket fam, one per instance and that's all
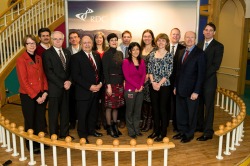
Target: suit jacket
(71, 51)
(214, 55)
(55, 72)
(31, 75)
(83, 74)
(176, 56)
(190, 74)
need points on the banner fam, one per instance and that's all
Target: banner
(89, 17)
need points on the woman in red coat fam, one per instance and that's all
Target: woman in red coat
(33, 88)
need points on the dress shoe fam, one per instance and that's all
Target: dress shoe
(63, 137)
(204, 138)
(159, 138)
(186, 139)
(153, 135)
(133, 136)
(178, 136)
(96, 134)
(138, 134)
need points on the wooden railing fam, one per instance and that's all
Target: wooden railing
(235, 107)
(27, 18)
(9, 132)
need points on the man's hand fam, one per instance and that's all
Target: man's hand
(67, 85)
(194, 96)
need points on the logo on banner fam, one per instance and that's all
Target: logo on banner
(83, 16)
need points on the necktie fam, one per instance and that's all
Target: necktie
(94, 67)
(126, 52)
(185, 56)
(62, 59)
(172, 50)
(206, 44)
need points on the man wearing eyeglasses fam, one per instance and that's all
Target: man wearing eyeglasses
(56, 66)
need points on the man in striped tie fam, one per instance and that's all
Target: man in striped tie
(86, 71)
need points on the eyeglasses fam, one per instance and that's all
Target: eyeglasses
(57, 38)
(31, 44)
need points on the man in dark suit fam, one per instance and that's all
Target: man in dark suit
(174, 48)
(214, 53)
(56, 62)
(189, 78)
(87, 75)
(74, 48)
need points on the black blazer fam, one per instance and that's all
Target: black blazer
(83, 74)
(55, 73)
(176, 56)
(214, 55)
(190, 74)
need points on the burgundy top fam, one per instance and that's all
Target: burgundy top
(39, 50)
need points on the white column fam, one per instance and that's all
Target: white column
(22, 158)
(219, 157)
(14, 145)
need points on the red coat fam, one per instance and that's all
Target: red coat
(31, 75)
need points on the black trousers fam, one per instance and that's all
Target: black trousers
(206, 111)
(87, 115)
(33, 114)
(59, 107)
(160, 108)
(72, 105)
(186, 115)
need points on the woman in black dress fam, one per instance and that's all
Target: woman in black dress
(113, 75)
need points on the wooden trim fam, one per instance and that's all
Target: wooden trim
(13, 98)
(9, 8)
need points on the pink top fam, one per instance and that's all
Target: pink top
(134, 78)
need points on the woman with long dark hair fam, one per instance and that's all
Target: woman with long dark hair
(134, 71)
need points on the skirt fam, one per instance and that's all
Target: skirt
(116, 100)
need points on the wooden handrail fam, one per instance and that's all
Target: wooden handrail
(10, 7)
(81, 145)
(238, 112)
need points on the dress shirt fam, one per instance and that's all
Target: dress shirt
(175, 47)
(57, 50)
(75, 50)
(91, 55)
(204, 46)
(190, 50)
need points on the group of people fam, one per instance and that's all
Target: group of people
(146, 84)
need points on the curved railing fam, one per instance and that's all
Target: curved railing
(232, 104)
(8, 130)
(28, 18)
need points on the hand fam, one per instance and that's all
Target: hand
(67, 85)
(94, 88)
(39, 100)
(140, 89)
(194, 96)
(109, 90)
(99, 85)
(174, 91)
(156, 86)
(146, 78)
(44, 96)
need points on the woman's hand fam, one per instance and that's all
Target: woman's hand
(39, 100)
(109, 90)
(44, 96)
(156, 86)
